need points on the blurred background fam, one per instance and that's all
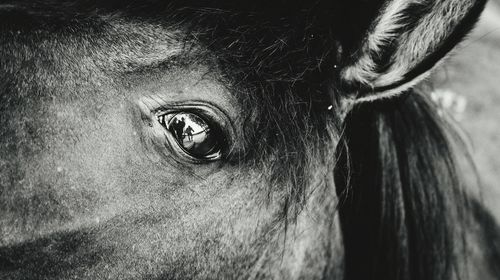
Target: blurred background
(468, 87)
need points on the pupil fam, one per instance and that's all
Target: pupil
(193, 134)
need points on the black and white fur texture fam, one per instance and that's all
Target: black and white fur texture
(337, 165)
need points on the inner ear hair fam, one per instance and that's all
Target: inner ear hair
(403, 44)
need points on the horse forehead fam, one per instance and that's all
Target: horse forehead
(43, 66)
(78, 61)
(87, 47)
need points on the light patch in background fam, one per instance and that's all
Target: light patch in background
(450, 102)
(473, 73)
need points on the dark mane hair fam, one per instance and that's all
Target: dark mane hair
(402, 210)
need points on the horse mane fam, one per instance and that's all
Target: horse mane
(404, 211)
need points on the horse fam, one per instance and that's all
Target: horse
(318, 153)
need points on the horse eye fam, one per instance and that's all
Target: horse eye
(194, 135)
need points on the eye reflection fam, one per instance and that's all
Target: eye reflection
(194, 135)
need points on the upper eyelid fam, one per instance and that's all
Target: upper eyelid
(155, 106)
(207, 109)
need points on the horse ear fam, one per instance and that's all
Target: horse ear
(403, 43)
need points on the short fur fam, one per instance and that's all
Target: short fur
(403, 211)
